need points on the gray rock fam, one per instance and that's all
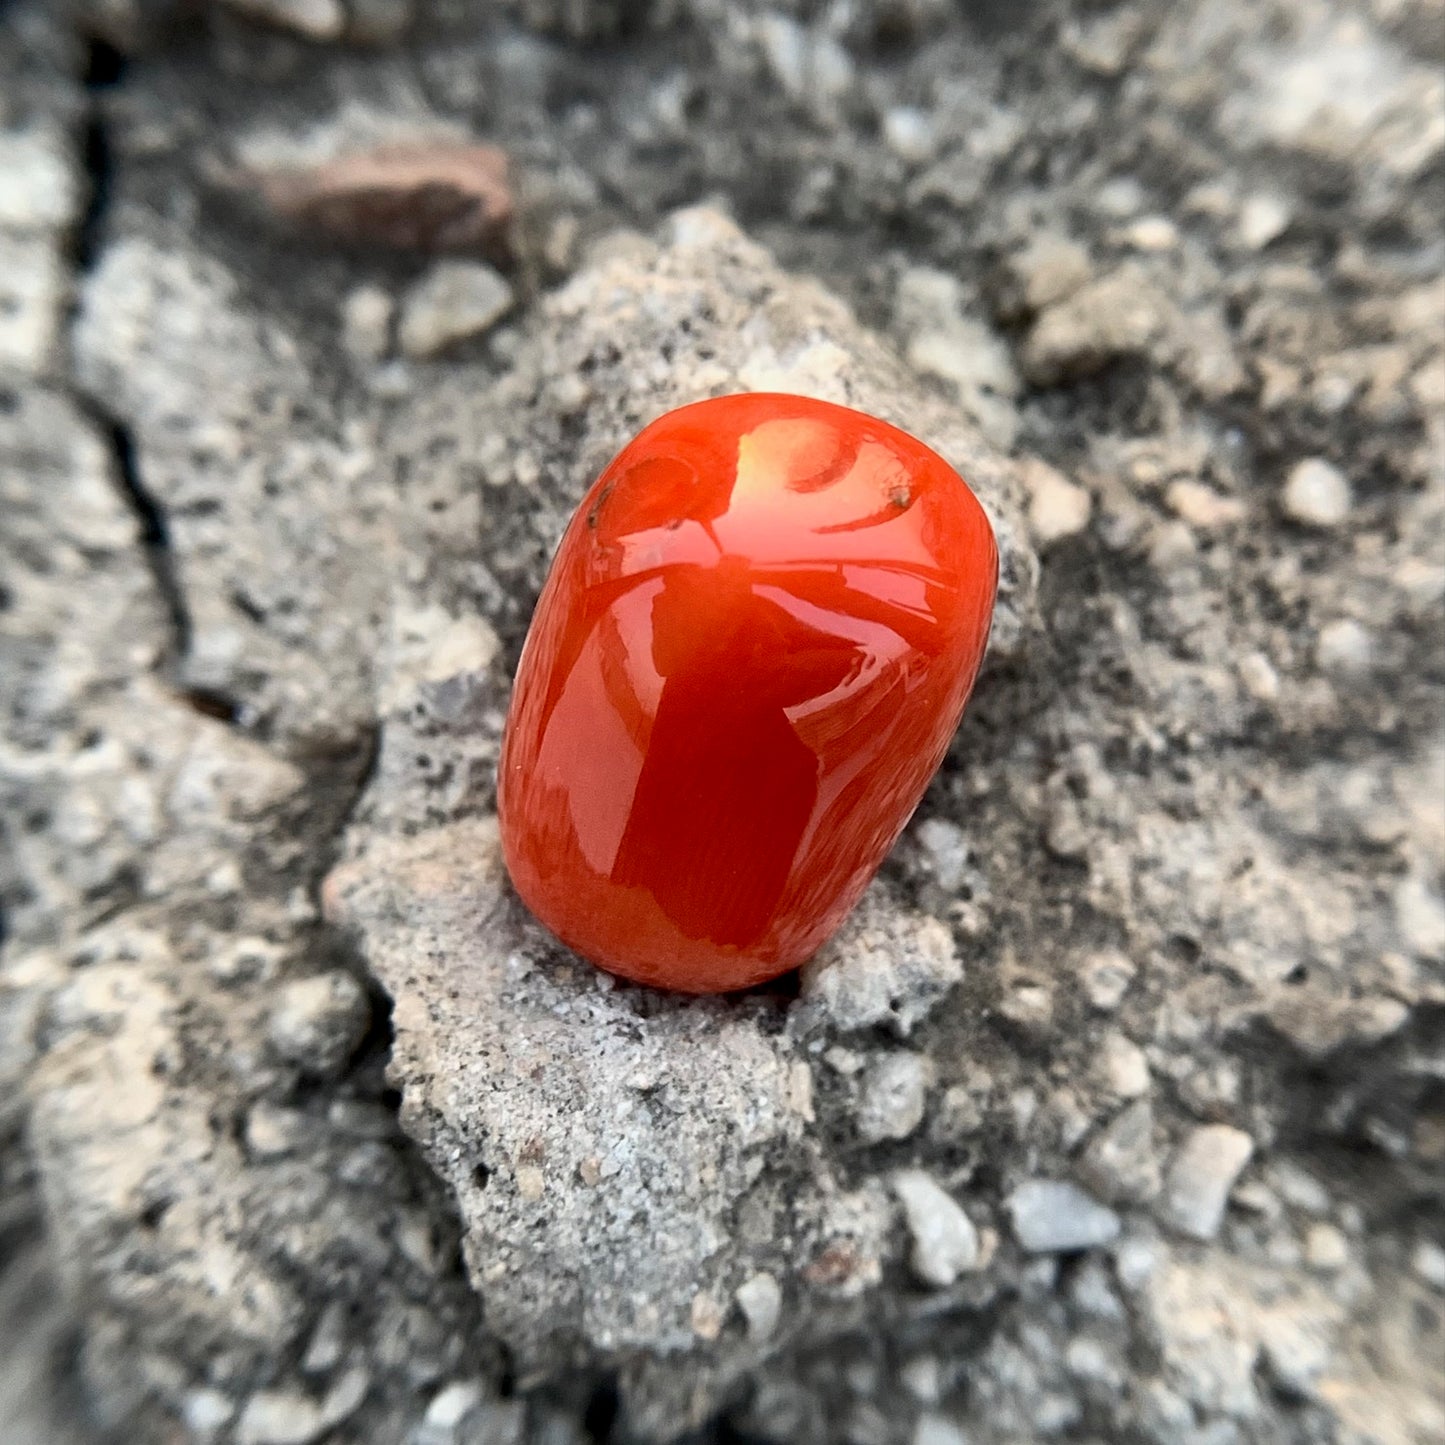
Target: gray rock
(1119, 314)
(318, 1022)
(884, 967)
(1119, 1163)
(893, 1095)
(945, 1242)
(454, 302)
(1051, 1216)
(484, 1007)
(1201, 1176)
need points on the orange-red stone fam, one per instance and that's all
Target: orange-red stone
(755, 643)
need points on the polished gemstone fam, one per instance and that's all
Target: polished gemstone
(752, 650)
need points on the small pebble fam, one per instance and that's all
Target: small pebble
(1326, 1249)
(1428, 1263)
(1135, 1261)
(317, 1022)
(1262, 218)
(1152, 233)
(1300, 1189)
(1259, 677)
(454, 302)
(922, 1379)
(1345, 649)
(1202, 507)
(1050, 268)
(1119, 1162)
(934, 1429)
(1200, 1179)
(452, 1404)
(205, 1411)
(908, 133)
(1106, 978)
(1317, 494)
(945, 845)
(894, 1092)
(945, 1243)
(706, 1316)
(1121, 1067)
(1051, 1216)
(1058, 508)
(760, 1298)
(366, 317)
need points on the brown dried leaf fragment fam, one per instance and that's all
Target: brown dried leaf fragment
(419, 196)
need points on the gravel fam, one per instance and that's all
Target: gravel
(1051, 1216)
(945, 1242)
(454, 302)
(1201, 1177)
(1317, 494)
(894, 1092)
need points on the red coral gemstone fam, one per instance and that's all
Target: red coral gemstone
(755, 643)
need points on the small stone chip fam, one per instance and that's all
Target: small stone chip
(454, 302)
(1317, 494)
(945, 1242)
(1106, 978)
(760, 1298)
(1201, 1177)
(1058, 508)
(706, 1316)
(1051, 1216)
(894, 1092)
(1120, 1161)
(366, 316)
(318, 1022)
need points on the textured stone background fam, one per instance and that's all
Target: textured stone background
(1117, 1113)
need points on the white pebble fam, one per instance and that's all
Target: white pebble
(1344, 648)
(1262, 218)
(1317, 494)
(1201, 1177)
(1058, 508)
(945, 1243)
(1428, 1262)
(908, 133)
(760, 1298)
(366, 322)
(1326, 1249)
